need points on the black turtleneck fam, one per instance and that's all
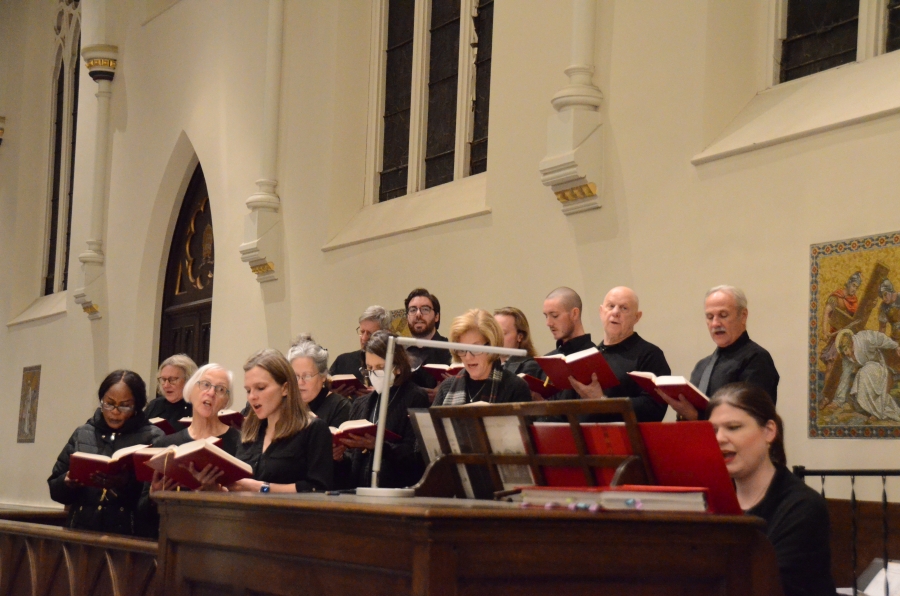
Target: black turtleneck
(334, 409)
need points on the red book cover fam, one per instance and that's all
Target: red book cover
(672, 386)
(536, 385)
(231, 418)
(581, 365)
(142, 471)
(360, 428)
(163, 425)
(439, 370)
(82, 466)
(340, 382)
(173, 463)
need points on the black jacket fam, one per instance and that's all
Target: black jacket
(401, 464)
(90, 508)
(163, 408)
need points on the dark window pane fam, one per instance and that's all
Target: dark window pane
(821, 34)
(443, 75)
(484, 26)
(76, 76)
(893, 26)
(49, 280)
(397, 93)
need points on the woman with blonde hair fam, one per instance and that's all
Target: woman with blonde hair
(483, 378)
(171, 377)
(288, 448)
(517, 334)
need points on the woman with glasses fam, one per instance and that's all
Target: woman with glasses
(310, 363)
(171, 377)
(483, 378)
(401, 465)
(208, 391)
(109, 505)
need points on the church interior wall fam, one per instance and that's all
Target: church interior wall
(189, 88)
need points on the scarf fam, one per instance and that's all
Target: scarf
(457, 396)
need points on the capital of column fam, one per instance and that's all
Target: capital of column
(101, 60)
(265, 197)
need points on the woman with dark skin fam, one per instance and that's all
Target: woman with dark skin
(108, 505)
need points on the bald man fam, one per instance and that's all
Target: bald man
(626, 351)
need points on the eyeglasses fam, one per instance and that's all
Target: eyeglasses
(169, 380)
(306, 378)
(221, 390)
(127, 409)
(423, 310)
(378, 374)
(462, 353)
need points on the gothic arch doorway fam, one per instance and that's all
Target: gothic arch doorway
(188, 293)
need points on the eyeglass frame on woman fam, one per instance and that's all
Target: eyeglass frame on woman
(462, 353)
(110, 407)
(306, 377)
(366, 372)
(169, 380)
(220, 390)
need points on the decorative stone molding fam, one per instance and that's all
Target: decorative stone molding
(89, 308)
(101, 61)
(572, 167)
(262, 237)
(2, 128)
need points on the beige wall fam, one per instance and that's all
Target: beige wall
(190, 86)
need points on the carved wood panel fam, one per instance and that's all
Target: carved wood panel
(36, 560)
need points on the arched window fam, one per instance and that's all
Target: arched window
(187, 297)
(62, 147)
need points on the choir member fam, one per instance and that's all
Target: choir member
(751, 437)
(374, 318)
(517, 334)
(483, 378)
(423, 316)
(118, 422)
(401, 464)
(171, 378)
(310, 363)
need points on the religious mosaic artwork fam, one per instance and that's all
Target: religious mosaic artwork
(31, 387)
(854, 338)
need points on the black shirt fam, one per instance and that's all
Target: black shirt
(303, 459)
(349, 363)
(160, 407)
(797, 525)
(401, 464)
(743, 361)
(419, 356)
(334, 409)
(634, 353)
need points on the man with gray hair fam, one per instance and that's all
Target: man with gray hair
(374, 318)
(736, 358)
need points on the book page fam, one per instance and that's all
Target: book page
(506, 439)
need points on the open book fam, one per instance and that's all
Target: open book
(625, 497)
(439, 370)
(339, 382)
(580, 365)
(229, 417)
(543, 388)
(360, 428)
(670, 386)
(82, 466)
(173, 462)
(163, 424)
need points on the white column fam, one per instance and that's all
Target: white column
(573, 165)
(261, 239)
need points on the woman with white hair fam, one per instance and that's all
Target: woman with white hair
(310, 363)
(208, 391)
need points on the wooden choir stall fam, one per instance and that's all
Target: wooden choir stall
(440, 544)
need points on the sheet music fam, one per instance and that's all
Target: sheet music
(506, 439)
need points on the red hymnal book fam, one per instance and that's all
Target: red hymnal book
(231, 418)
(82, 466)
(360, 428)
(163, 425)
(536, 385)
(580, 365)
(142, 471)
(339, 382)
(439, 370)
(600, 439)
(172, 463)
(672, 386)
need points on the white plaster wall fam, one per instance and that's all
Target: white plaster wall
(189, 86)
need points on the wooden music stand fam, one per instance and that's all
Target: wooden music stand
(484, 467)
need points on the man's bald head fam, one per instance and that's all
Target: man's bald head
(619, 313)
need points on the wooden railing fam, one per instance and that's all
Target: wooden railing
(37, 559)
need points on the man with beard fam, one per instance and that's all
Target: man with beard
(736, 359)
(423, 316)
